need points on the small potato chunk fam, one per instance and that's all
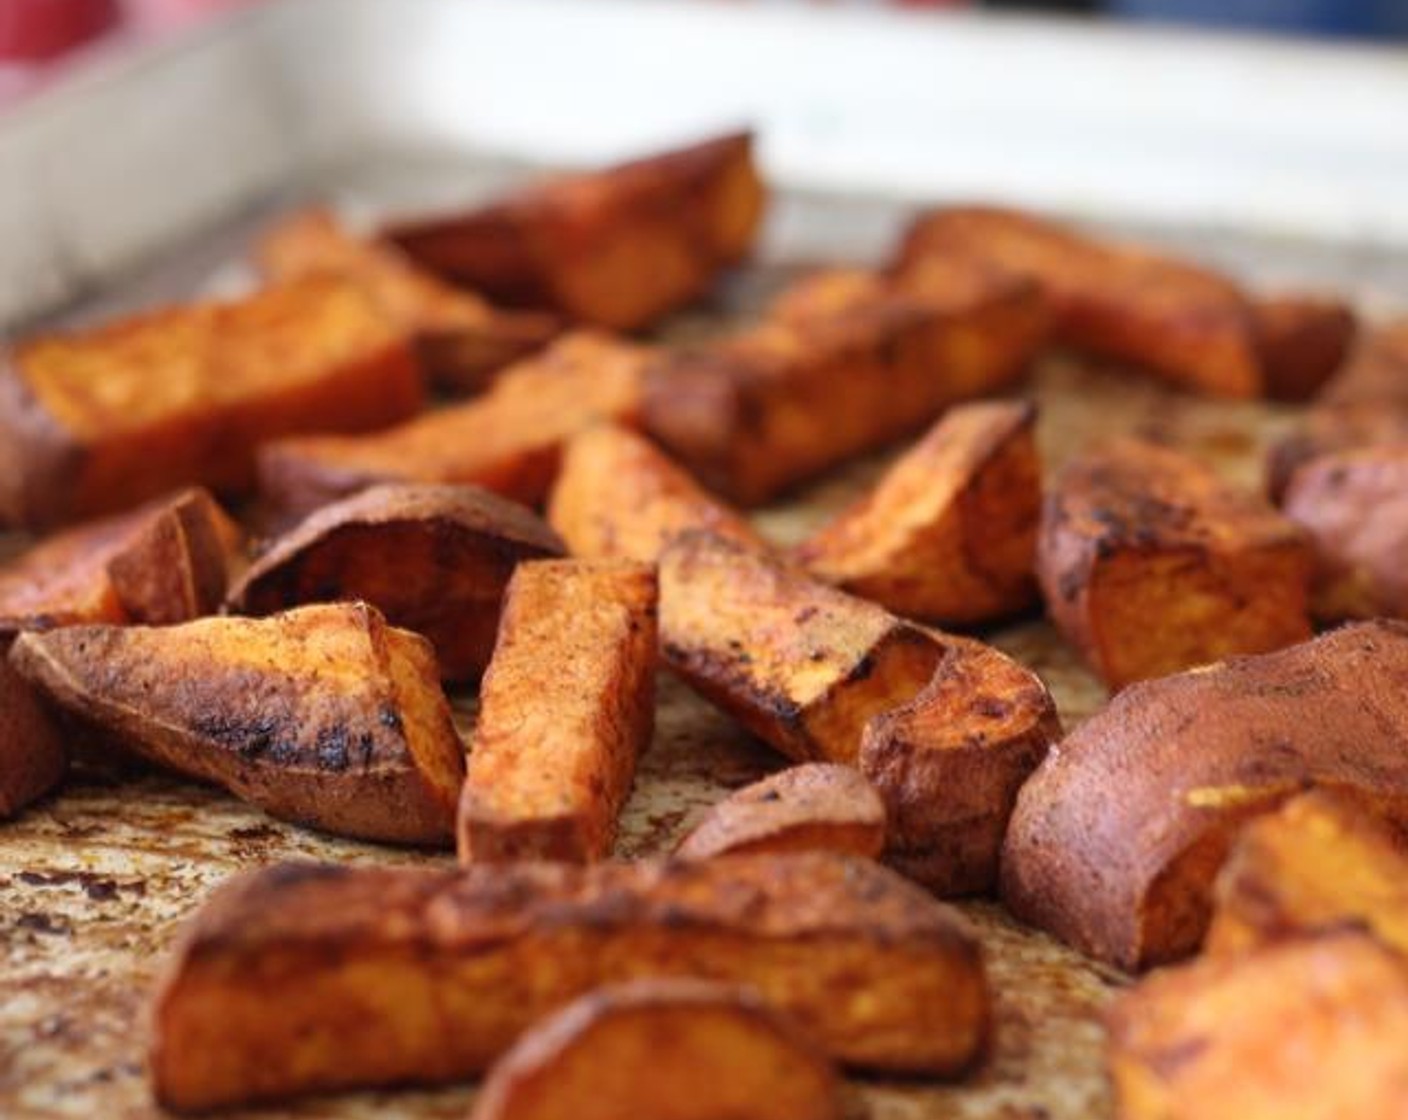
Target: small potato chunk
(1318, 864)
(814, 807)
(664, 1049)
(32, 756)
(1150, 564)
(949, 533)
(1377, 372)
(509, 440)
(1309, 1030)
(799, 664)
(1304, 341)
(617, 248)
(1354, 505)
(324, 716)
(461, 339)
(618, 496)
(96, 422)
(1328, 430)
(949, 763)
(844, 365)
(433, 559)
(1117, 837)
(567, 707)
(390, 975)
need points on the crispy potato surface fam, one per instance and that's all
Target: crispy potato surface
(33, 759)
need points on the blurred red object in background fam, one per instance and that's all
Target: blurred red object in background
(162, 14)
(38, 30)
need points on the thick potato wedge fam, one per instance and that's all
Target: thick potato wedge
(1150, 564)
(842, 366)
(567, 707)
(666, 1049)
(619, 496)
(1118, 836)
(949, 763)
(799, 664)
(1377, 372)
(1182, 321)
(96, 422)
(817, 806)
(387, 975)
(1327, 430)
(509, 440)
(461, 340)
(165, 562)
(1354, 506)
(1316, 865)
(617, 248)
(32, 756)
(433, 559)
(949, 533)
(325, 716)
(1309, 1030)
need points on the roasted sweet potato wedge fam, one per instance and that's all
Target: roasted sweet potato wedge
(325, 716)
(389, 975)
(949, 533)
(617, 248)
(1150, 564)
(1118, 836)
(96, 422)
(509, 440)
(817, 806)
(1377, 372)
(433, 559)
(666, 1049)
(1327, 430)
(567, 707)
(1184, 322)
(32, 755)
(799, 664)
(949, 763)
(1309, 1030)
(165, 562)
(618, 495)
(461, 340)
(842, 366)
(1317, 864)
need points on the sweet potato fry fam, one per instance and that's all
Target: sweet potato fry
(617, 248)
(509, 440)
(1118, 836)
(567, 707)
(817, 806)
(461, 339)
(1377, 372)
(1316, 865)
(1150, 564)
(388, 975)
(949, 533)
(617, 495)
(325, 716)
(433, 559)
(667, 1049)
(1327, 430)
(96, 422)
(1354, 506)
(32, 755)
(1309, 1030)
(842, 366)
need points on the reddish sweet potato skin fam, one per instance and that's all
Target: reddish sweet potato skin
(1377, 372)
(1329, 429)
(1304, 342)
(1127, 878)
(32, 755)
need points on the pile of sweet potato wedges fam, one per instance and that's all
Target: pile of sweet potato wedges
(267, 558)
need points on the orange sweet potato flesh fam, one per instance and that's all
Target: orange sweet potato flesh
(394, 975)
(1318, 864)
(619, 496)
(1150, 564)
(1354, 506)
(667, 1049)
(461, 339)
(949, 533)
(1308, 1030)
(509, 440)
(93, 423)
(817, 806)
(324, 716)
(433, 559)
(1118, 836)
(842, 366)
(567, 707)
(32, 755)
